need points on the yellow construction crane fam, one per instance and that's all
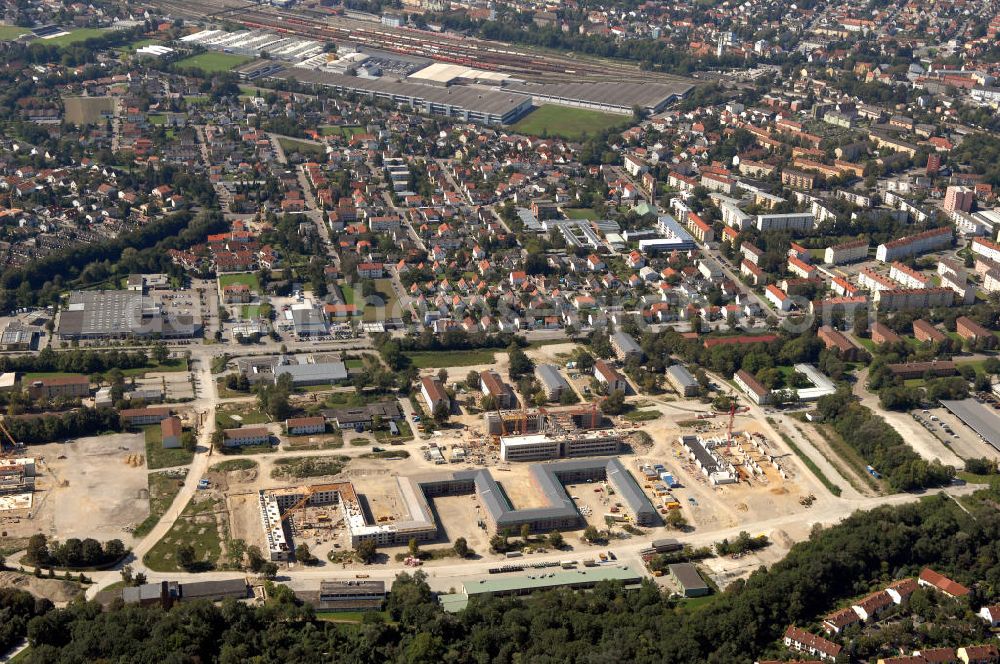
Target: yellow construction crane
(15, 447)
(307, 493)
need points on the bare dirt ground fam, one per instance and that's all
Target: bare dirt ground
(86, 489)
(244, 518)
(59, 592)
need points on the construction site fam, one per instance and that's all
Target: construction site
(17, 474)
(540, 434)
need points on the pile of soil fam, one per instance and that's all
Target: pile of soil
(56, 590)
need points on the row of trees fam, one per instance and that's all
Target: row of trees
(742, 624)
(73, 553)
(880, 445)
(79, 422)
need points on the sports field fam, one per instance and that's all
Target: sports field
(73, 37)
(570, 123)
(11, 32)
(214, 63)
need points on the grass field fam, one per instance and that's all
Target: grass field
(308, 466)
(163, 488)
(452, 358)
(198, 526)
(247, 278)
(168, 366)
(303, 147)
(230, 418)
(157, 456)
(581, 213)
(405, 433)
(251, 311)
(157, 119)
(341, 130)
(570, 123)
(73, 37)
(391, 307)
(233, 464)
(214, 63)
(642, 415)
(11, 32)
(132, 47)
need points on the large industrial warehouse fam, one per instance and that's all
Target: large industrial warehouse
(617, 97)
(472, 104)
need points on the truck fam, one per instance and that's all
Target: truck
(874, 473)
(567, 564)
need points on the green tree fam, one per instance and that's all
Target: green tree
(591, 534)
(461, 547)
(614, 404)
(185, 556)
(556, 540)
(366, 551)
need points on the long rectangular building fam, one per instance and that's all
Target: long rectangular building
(471, 104)
(610, 97)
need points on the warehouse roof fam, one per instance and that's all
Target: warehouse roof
(550, 377)
(617, 93)
(687, 575)
(331, 371)
(551, 580)
(467, 97)
(977, 417)
(680, 374)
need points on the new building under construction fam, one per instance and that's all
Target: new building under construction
(537, 435)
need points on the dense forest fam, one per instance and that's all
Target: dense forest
(609, 624)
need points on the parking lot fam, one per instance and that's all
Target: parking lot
(951, 431)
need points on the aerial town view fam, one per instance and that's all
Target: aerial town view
(492, 331)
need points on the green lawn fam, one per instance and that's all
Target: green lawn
(168, 366)
(251, 311)
(157, 119)
(132, 47)
(347, 616)
(308, 466)
(341, 130)
(391, 308)
(304, 147)
(246, 278)
(197, 526)
(163, 488)
(74, 36)
(224, 417)
(405, 433)
(214, 63)
(642, 415)
(233, 464)
(581, 213)
(12, 32)
(157, 456)
(569, 123)
(453, 358)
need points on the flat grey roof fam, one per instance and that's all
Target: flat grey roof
(680, 373)
(550, 376)
(626, 95)
(325, 371)
(101, 312)
(977, 417)
(687, 575)
(463, 96)
(626, 343)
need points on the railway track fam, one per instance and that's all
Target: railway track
(467, 51)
